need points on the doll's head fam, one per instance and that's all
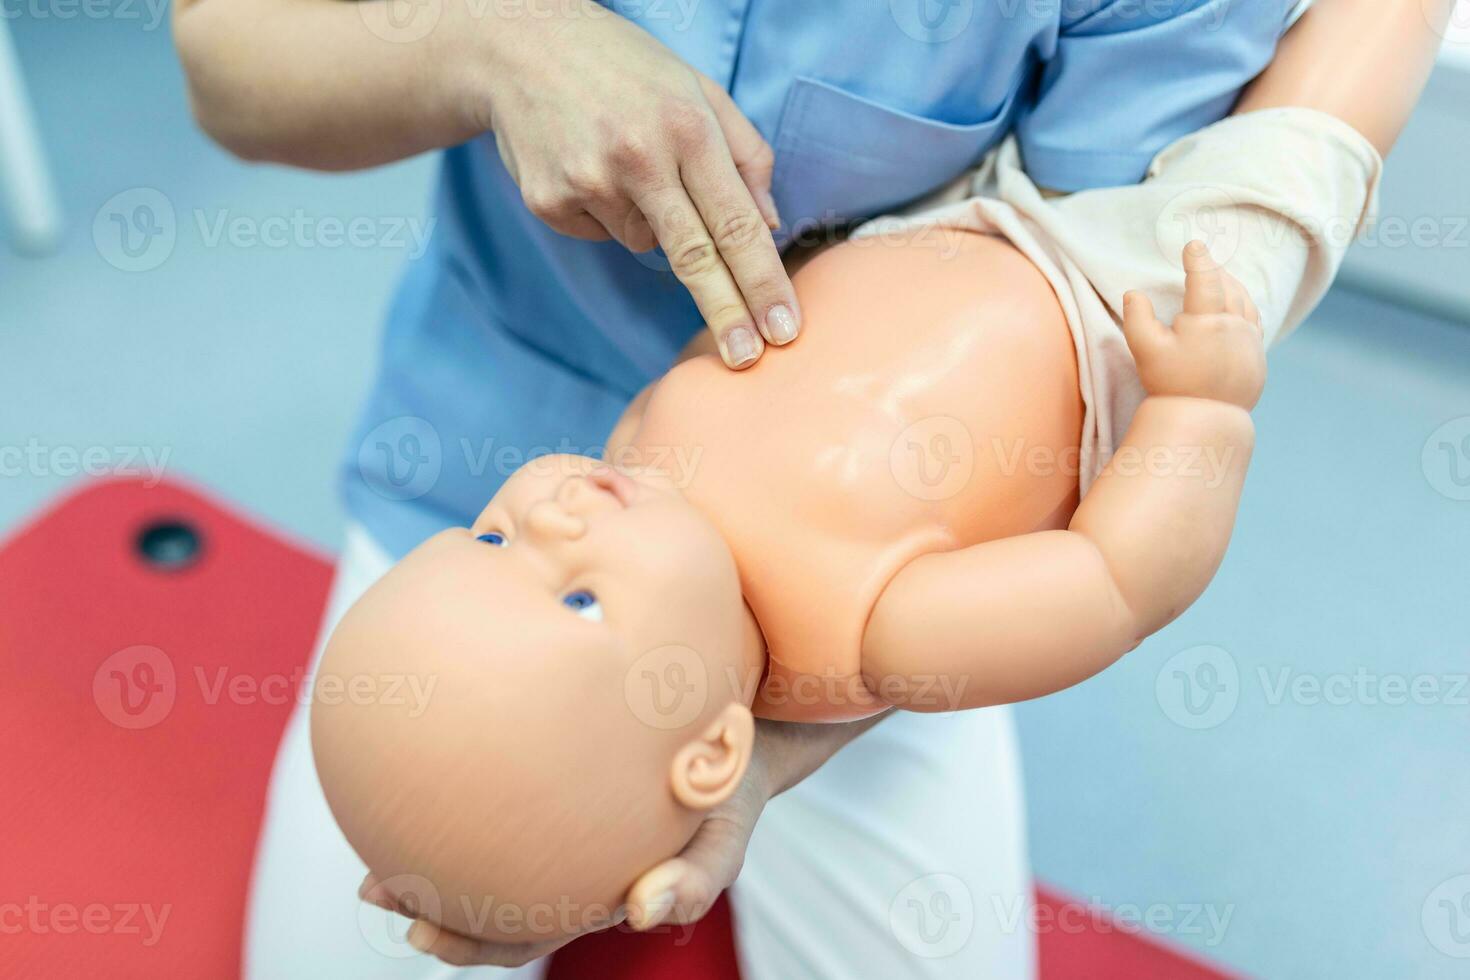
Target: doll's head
(584, 661)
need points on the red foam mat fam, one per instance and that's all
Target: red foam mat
(140, 709)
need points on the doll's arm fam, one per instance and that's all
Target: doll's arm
(1363, 61)
(1021, 617)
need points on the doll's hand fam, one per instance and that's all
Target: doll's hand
(1215, 348)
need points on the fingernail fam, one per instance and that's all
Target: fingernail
(655, 911)
(1196, 247)
(781, 325)
(741, 346)
(421, 935)
(767, 204)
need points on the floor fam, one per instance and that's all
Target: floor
(1275, 781)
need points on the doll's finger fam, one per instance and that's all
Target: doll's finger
(1141, 327)
(1204, 280)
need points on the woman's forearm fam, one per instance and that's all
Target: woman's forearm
(1363, 61)
(329, 84)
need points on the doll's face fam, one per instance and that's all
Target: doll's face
(573, 538)
(532, 782)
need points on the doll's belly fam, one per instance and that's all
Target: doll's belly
(936, 407)
(931, 402)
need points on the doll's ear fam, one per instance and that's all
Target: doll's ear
(707, 769)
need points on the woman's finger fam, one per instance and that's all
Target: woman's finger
(750, 151)
(458, 950)
(743, 239)
(682, 889)
(695, 259)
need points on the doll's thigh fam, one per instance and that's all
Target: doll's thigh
(304, 918)
(905, 856)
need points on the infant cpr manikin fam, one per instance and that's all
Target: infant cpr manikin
(885, 513)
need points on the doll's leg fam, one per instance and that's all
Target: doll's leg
(904, 856)
(304, 918)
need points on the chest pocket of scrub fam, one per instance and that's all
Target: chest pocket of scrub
(841, 156)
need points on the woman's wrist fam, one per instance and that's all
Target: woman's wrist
(790, 752)
(496, 47)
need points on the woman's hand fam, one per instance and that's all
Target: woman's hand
(681, 889)
(609, 135)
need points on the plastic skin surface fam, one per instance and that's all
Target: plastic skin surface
(887, 508)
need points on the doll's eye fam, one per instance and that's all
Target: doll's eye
(584, 604)
(495, 538)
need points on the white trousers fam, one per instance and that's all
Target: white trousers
(903, 857)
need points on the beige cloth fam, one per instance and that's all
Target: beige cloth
(1278, 195)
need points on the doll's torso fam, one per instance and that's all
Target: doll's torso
(930, 403)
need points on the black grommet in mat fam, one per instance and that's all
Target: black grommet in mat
(169, 545)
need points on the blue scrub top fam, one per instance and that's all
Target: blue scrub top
(507, 341)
